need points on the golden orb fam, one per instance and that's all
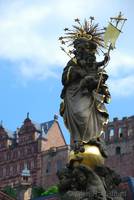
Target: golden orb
(91, 157)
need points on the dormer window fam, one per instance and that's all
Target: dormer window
(47, 126)
(42, 131)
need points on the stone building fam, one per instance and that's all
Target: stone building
(41, 147)
(120, 145)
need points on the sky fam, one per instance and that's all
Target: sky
(31, 61)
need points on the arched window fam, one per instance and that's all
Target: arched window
(118, 150)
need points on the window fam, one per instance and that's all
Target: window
(29, 150)
(118, 150)
(1, 157)
(120, 132)
(14, 169)
(32, 164)
(15, 153)
(29, 164)
(59, 165)
(8, 156)
(22, 152)
(11, 170)
(25, 178)
(111, 133)
(1, 172)
(35, 163)
(35, 148)
(130, 131)
(48, 169)
(7, 171)
(21, 166)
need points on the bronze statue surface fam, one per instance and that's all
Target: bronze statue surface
(84, 90)
(84, 96)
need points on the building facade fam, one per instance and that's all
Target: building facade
(119, 139)
(41, 147)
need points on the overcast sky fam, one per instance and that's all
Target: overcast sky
(31, 61)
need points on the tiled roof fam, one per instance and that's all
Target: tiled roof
(41, 128)
(9, 133)
(46, 126)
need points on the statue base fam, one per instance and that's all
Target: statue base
(87, 178)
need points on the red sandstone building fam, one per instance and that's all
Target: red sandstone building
(41, 147)
(120, 145)
(119, 139)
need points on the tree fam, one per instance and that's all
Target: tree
(37, 191)
(50, 190)
(10, 191)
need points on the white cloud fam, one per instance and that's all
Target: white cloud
(29, 32)
(122, 87)
(121, 63)
(121, 74)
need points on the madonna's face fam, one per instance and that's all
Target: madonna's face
(85, 45)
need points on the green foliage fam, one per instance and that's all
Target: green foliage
(50, 190)
(10, 191)
(37, 191)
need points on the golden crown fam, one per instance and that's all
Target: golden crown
(88, 30)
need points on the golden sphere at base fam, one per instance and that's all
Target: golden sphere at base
(91, 157)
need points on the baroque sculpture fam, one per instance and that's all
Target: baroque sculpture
(84, 96)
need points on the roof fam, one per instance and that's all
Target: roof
(9, 133)
(25, 171)
(46, 126)
(41, 128)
